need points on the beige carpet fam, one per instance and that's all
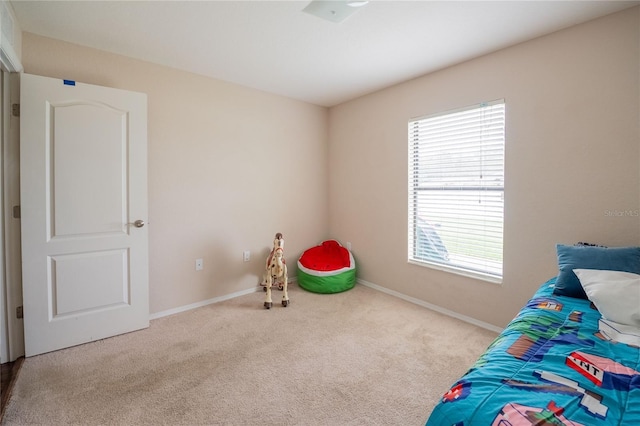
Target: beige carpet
(356, 358)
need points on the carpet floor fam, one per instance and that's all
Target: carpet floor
(353, 358)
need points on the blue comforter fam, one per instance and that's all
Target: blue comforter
(552, 365)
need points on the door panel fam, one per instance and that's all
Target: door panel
(70, 273)
(83, 184)
(88, 147)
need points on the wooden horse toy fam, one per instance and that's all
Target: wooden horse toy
(276, 271)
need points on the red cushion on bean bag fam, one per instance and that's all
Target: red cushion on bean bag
(328, 256)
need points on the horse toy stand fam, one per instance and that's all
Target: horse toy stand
(276, 272)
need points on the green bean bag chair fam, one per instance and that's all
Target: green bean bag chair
(327, 268)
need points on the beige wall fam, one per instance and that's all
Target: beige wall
(572, 154)
(228, 168)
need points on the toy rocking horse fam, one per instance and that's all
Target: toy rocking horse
(276, 271)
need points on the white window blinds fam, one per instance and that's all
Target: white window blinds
(456, 189)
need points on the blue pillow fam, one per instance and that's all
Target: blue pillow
(626, 259)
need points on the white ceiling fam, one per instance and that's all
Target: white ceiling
(275, 47)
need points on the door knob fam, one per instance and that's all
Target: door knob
(138, 223)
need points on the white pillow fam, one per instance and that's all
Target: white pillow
(616, 294)
(620, 333)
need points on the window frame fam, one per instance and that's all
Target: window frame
(416, 167)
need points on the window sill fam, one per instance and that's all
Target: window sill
(459, 271)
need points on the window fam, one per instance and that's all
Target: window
(456, 190)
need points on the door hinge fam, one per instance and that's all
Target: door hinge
(19, 312)
(15, 110)
(16, 212)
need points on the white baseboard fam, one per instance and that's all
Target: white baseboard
(202, 303)
(436, 308)
(394, 293)
(208, 302)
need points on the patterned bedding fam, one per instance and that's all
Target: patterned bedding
(554, 364)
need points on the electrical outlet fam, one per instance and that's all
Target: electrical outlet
(199, 264)
(246, 255)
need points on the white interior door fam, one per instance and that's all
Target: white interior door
(83, 152)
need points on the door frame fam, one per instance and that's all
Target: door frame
(11, 328)
(11, 260)
(4, 331)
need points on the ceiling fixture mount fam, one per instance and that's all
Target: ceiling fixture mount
(333, 10)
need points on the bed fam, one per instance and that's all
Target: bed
(571, 356)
